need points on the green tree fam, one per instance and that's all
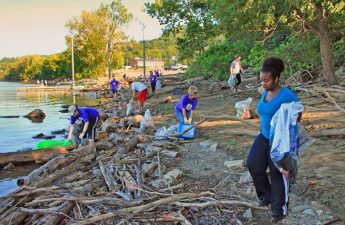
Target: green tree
(190, 20)
(320, 18)
(91, 31)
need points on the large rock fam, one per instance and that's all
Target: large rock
(36, 114)
(234, 164)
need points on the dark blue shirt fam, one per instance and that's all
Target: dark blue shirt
(266, 110)
(85, 113)
(153, 79)
(113, 84)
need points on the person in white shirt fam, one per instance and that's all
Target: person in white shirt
(139, 90)
(236, 70)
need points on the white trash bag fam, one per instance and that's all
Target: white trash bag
(130, 108)
(162, 133)
(147, 123)
(244, 110)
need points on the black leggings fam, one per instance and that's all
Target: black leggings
(276, 192)
(238, 77)
(153, 87)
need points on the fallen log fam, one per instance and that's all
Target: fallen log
(31, 156)
(220, 202)
(8, 117)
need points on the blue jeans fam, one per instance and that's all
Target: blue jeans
(179, 116)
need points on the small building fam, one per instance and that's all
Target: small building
(150, 63)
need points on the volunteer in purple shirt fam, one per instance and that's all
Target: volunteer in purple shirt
(113, 85)
(89, 116)
(153, 80)
(186, 106)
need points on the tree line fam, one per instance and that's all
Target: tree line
(305, 33)
(92, 31)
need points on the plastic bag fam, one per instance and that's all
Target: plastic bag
(130, 108)
(284, 139)
(158, 85)
(172, 130)
(163, 132)
(232, 81)
(147, 123)
(243, 109)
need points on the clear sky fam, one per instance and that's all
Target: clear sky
(38, 26)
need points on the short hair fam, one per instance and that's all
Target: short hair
(273, 65)
(192, 90)
(237, 56)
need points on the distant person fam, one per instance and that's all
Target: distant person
(46, 83)
(235, 71)
(153, 80)
(139, 91)
(89, 116)
(186, 106)
(114, 86)
(38, 82)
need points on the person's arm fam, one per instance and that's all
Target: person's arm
(184, 113)
(71, 128)
(191, 116)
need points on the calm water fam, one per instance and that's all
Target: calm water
(17, 133)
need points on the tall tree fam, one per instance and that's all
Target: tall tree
(314, 17)
(191, 19)
(91, 31)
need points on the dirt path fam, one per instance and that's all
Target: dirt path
(318, 194)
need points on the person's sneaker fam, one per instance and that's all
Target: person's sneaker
(263, 203)
(277, 219)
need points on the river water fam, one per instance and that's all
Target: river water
(17, 133)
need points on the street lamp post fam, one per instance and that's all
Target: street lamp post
(109, 64)
(72, 62)
(144, 51)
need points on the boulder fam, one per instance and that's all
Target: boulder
(38, 136)
(36, 114)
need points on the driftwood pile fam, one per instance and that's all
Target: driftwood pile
(119, 179)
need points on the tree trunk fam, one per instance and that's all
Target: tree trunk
(325, 47)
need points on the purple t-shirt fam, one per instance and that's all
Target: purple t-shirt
(113, 84)
(185, 102)
(85, 113)
(153, 79)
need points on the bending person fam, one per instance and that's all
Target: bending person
(89, 116)
(186, 106)
(139, 90)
